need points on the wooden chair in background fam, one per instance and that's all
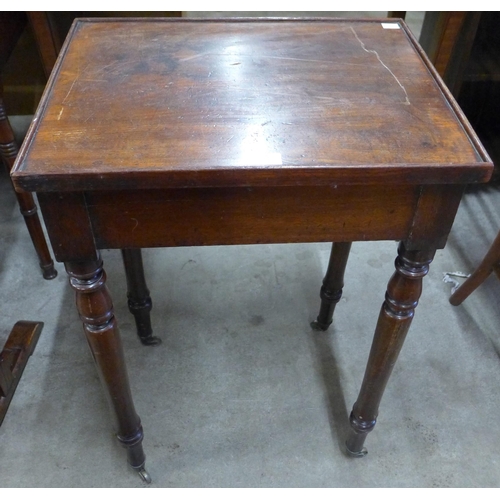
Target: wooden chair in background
(12, 25)
(27, 205)
(24, 336)
(490, 264)
(13, 359)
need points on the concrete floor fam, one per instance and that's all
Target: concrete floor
(242, 393)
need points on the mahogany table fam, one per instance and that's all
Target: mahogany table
(175, 132)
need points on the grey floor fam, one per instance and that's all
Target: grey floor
(242, 393)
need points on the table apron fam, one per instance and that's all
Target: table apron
(224, 216)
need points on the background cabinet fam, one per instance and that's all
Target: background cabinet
(465, 49)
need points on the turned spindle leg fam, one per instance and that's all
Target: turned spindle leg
(331, 291)
(95, 307)
(139, 300)
(27, 205)
(397, 312)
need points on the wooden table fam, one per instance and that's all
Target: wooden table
(215, 132)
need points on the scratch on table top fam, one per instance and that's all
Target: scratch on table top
(265, 56)
(407, 101)
(279, 93)
(70, 89)
(93, 80)
(193, 57)
(113, 66)
(322, 61)
(89, 117)
(60, 113)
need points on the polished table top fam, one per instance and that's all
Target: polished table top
(177, 103)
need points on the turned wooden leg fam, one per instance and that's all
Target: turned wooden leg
(397, 312)
(29, 211)
(8, 151)
(96, 311)
(489, 264)
(331, 291)
(139, 300)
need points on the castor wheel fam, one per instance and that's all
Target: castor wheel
(356, 454)
(144, 475)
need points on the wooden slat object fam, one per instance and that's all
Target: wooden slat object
(448, 37)
(47, 39)
(13, 358)
(489, 265)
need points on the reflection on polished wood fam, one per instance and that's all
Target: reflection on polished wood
(224, 102)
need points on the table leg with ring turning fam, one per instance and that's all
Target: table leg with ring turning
(333, 283)
(395, 317)
(26, 201)
(139, 300)
(95, 307)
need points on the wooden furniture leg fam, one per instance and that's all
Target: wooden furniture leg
(8, 151)
(333, 283)
(47, 39)
(95, 307)
(490, 264)
(139, 300)
(13, 359)
(395, 317)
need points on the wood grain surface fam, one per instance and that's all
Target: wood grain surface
(177, 103)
